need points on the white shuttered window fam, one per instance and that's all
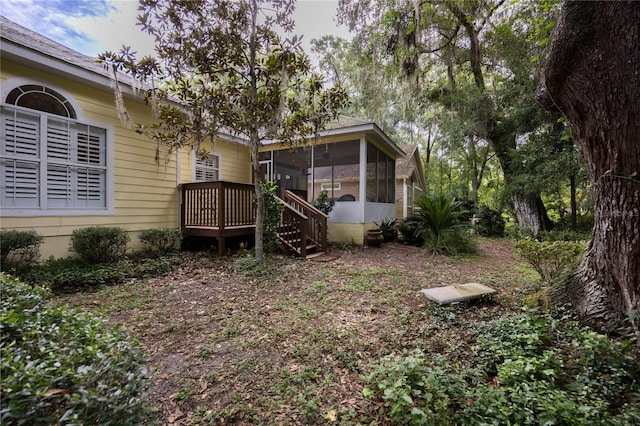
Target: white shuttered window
(51, 163)
(207, 169)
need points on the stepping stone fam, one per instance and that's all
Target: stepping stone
(457, 293)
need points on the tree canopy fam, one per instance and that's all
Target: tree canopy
(472, 68)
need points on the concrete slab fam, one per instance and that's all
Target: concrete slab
(457, 293)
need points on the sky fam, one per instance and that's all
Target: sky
(95, 26)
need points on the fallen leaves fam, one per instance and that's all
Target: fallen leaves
(291, 346)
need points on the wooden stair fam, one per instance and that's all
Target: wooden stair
(303, 228)
(315, 254)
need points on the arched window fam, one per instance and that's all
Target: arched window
(41, 98)
(51, 162)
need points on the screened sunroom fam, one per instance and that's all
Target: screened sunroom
(354, 161)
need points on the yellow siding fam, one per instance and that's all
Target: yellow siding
(349, 233)
(236, 161)
(145, 193)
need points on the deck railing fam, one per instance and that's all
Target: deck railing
(224, 209)
(217, 204)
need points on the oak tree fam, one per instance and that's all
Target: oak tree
(592, 75)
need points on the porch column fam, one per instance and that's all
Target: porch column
(313, 174)
(363, 177)
(405, 198)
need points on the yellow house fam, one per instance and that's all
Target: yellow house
(68, 162)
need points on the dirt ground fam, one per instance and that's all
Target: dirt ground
(293, 344)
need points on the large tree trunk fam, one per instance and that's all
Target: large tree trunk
(593, 76)
(528, 207)
(260, 202)
(530, 212)
(254, 137)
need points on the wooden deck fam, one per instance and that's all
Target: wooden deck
(217, 209)
(226, 209)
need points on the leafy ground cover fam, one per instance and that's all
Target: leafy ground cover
(293, 343)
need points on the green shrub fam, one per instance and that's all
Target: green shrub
(527, 369)
(98, 244)
(520, 336)
(248, 267)
(70, 275)
(437, 222)
(552, 260)
(490, 222)
(161, 240)
(389, 228)
(468, 207)
(553, 368)
(563, 234)
(61, 366)
(19, 249)
(272, 214)
(89, 277)
(416, 390)
(146, 268)
(408, 229)
(323, 202)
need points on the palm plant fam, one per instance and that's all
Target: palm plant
(437, 222)
(389, 228)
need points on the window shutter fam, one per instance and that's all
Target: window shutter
(20, 184)
(69, 147)
(59, 186)
(68, 170)
(90, 188)
(58, 141)
(91, 182)
(205, 175)
(207, 169)
(91, 146)
(19, 167)
(20, 134)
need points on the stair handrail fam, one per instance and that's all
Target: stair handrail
(304, 203)
(302, 229)
(314, 214)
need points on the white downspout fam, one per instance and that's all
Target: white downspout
(178, 182)
(313, 172)
(363, 178)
